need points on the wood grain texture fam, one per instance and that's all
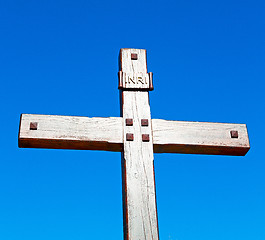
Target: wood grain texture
(140, 215)
(134, 76)
(199, 138)
(109, 134)
(136, 81)
(68, 132)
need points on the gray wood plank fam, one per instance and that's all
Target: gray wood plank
(140, 216)
(199, 138)
(68, 132)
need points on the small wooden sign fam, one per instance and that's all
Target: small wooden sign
(137, 81)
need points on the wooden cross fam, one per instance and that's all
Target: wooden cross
(137, 136)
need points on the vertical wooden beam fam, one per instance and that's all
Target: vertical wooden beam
(139, 199)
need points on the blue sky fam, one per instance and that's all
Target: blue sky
(61, 57)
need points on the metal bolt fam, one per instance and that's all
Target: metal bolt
(129, 122)
(145, 137)
(134, 56)
(234, 134)
(129, 137)
(144, 122)
(33, 126)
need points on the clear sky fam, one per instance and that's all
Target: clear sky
(61, 57)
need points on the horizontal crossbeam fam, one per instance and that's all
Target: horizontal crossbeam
(200, 138)
(67, 132)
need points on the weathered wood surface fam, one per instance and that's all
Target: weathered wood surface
(134, 80)
(110, 134)
(140, 216)
(199, 138)
(68, 132)
(134, 76)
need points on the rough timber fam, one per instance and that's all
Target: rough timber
(137, 136)
(67, 132)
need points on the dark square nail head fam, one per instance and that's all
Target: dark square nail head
(33, 126)
(129, 137)
(145, 137)
(134, 56)
(129, 122)
(144, 122)
(234, 134)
